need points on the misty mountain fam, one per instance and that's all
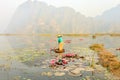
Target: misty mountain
(39, 17)
(111, 19)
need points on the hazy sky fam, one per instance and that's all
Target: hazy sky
(89, 8)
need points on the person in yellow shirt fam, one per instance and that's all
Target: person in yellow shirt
(60, 45)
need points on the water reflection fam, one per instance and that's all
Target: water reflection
(23, 56)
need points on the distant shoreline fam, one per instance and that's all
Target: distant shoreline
(96, 34)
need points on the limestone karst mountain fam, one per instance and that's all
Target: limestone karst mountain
(39, 17)
(111, 19)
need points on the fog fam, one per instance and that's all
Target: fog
(86, 7)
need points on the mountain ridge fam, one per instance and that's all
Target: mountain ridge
(39, 17)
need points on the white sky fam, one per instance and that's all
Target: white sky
(89, 8)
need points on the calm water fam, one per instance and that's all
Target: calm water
(13, 45)
(14, 42)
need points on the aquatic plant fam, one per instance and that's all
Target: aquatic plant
(67, 41)
(92, 61)
(72, 55)
(94, 36)
(107, 59)
(97, 47)
(27, 55)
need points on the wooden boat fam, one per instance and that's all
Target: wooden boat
(58, 51)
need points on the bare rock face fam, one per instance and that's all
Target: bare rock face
(39, 17)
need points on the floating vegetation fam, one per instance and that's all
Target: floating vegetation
(67, 41)
(46, 73)
(44, 67)
(84, 65)
(5, 67)
(75, 72)
(92, 64)
(76, 35)
(114, 34)
(27, 55)
(59, 73)
(72, 55)
(20, 78)
(107, 59)
(97, 47)
(94, 36)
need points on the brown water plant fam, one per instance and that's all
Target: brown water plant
(107, 59)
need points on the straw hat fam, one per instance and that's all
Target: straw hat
(59, 35)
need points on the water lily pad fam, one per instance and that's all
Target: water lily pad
(80, 69)
(44, 66)
(44, 62)
(43, 73)
(67, 69)
(73, 66)
(24, 78)
(89, 69)
(76, 71)
(59, 73)
(49, 74)
(46, 73)
(78, 64)
(37, 64)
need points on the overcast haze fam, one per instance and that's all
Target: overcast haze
(89, 8)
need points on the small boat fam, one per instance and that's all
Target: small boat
(58, 51)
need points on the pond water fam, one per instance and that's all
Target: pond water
(27, 57)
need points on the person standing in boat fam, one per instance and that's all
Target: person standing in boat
(60, 44)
